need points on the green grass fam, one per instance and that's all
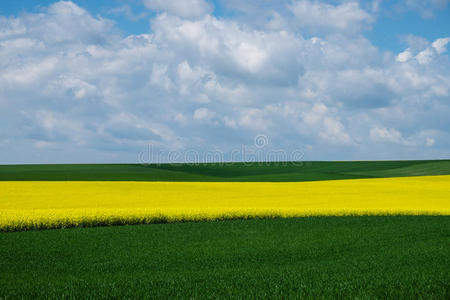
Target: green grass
(320, 257)
(275, 171)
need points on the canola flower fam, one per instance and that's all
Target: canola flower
(39, 205)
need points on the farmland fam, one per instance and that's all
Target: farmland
(41, 205)
(331, 230)
(318, 257)
(224, 172)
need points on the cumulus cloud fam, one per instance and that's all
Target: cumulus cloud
(70, 84)
(203, 114)
(344, 17)
(387, 135)
(440, 45)
(404, 56)
(391, 135)
(329, 128)
(128, 12)
(181, 8)
(425, 52)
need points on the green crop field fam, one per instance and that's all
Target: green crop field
(319, 257)
(274, 171)
(364, 257)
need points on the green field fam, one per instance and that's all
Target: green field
(373, 257)
(319, 257)
(275, 171)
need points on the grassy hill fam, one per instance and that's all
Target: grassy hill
(274, 171)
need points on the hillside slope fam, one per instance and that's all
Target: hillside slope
(274, 171)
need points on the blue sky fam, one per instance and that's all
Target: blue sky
(395, 19)
(109, 81)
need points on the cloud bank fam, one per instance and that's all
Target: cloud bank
(72, 89)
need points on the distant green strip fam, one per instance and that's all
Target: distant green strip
(257, 172)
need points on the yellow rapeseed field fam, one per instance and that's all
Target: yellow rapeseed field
(33, 205)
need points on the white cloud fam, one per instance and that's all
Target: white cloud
(128, 12)
(334, 132)
(415, 42)
(425, 53)
(65, 22)
(345, 17)
(69, 84)
(160, 77)
(440, 45)
(253, 119)
(392, 135)
(404, 56)
(180, 118)
(230, 48)
(386, 135)
(329, 129)
(10, 27)
(76, 87)
(203, 114)
(181, 8)
(425, 56)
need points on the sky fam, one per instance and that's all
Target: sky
(225, 80)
